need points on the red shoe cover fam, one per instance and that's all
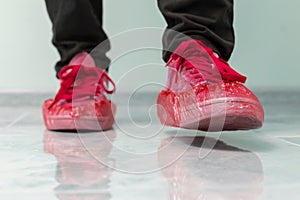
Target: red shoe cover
(204, 93)
(81, 104)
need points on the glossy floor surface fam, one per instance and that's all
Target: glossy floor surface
(140, 159)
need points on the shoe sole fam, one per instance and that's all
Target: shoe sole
(219, 115)
(81, 123)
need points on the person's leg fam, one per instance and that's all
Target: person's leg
(77, 27)
(81, 102)
(209, 21)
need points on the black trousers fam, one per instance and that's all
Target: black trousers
(77, 27)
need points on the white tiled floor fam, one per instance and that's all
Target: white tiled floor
(140, 159)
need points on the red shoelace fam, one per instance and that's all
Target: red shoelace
(198, 63)
(80, 82)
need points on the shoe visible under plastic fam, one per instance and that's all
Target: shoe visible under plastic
(203, 92)
(80, 103)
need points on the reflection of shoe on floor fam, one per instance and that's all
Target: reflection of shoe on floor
(203, 92)
(80, 103)
(83, 162)
(226, 173)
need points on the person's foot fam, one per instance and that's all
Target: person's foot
(80, 103)
(204, 93)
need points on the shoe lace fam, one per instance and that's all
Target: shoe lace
(201, 65)
(87, 82)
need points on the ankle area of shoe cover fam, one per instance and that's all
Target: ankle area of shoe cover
(195, 54)
(84, 59)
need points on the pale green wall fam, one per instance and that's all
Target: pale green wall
(267, 42)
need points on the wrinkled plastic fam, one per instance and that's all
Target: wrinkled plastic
(87, 115)
(200, 108)
(200, 96)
